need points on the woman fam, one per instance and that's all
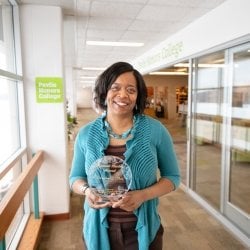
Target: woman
(144, 144)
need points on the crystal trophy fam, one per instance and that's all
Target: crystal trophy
(110, 178)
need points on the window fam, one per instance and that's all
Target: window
(12, 132)
(207, 115)
(9, 133)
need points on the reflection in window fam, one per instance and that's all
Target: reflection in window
(241, 96)
(208, 96)
(240, 133)
(207, 113)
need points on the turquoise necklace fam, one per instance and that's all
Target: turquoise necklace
(124, 135)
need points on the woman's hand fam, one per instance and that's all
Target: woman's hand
(130, 201)
(94, 201)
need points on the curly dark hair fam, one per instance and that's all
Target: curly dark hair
(108, 77)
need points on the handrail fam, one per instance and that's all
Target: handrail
(14, 197)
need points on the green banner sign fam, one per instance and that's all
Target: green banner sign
(49, 89)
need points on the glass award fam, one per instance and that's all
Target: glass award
(110, 178)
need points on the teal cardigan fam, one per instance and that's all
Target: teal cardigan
(150, 148)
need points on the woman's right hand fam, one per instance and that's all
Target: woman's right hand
(95, 201)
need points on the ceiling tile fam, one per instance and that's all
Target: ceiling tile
(114, 10)
(148, 21)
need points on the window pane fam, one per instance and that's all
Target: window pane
(239, 191)
(7, 56)
(14, 225)
(9, 132)
(207, 113)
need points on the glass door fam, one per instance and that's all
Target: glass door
(237, 138)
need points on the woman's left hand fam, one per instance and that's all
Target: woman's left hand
(130, 201)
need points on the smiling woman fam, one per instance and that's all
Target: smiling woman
(144, 145)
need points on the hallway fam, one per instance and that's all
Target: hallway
(187, 225)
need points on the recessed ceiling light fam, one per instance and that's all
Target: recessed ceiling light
(122, 44)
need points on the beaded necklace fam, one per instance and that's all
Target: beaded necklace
(124, 135)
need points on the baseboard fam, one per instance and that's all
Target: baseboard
(55, 217)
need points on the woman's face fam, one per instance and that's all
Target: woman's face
(122, 95)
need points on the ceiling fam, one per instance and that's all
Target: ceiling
(144, 21)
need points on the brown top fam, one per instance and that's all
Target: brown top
(117, 214)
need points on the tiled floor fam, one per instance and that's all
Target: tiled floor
(187, 225)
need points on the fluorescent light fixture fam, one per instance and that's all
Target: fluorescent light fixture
(92, 68)
(88, 77)
(114, 44)
(87, 85)
(221, 60)
(202, 65)
(211, 65)
(182, 65)
(83, 81)
(168, 73)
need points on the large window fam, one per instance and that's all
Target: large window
(12, 142)
(220, 132)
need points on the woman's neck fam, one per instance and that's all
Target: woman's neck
(119, 124)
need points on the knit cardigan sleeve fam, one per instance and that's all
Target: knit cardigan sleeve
(166, 156)
(78, 170)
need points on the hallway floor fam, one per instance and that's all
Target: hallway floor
(187, 225)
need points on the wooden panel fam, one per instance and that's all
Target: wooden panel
(31, 235)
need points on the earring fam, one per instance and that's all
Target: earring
(105, 102)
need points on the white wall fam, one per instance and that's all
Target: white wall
(70, 85)
(69, 36)
(85, 97)
(42, 51)
(226, 23)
